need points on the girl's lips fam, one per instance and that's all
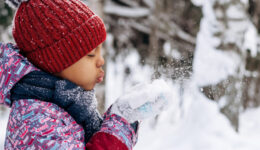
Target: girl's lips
(100, 78)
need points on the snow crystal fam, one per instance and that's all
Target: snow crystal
(116, 80)
(78, 95)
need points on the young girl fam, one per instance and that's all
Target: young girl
(53, 106)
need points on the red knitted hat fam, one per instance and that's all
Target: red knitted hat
(54, 34)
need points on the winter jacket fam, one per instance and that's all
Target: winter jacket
(35, 124)
(79, 103)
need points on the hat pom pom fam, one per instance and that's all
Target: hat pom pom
(15, 3)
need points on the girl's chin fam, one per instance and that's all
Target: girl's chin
(89, 87)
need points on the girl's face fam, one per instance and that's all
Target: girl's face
(87, 71)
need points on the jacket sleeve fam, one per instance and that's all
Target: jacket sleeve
(115, 134)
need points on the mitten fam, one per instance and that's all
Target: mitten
(143, 101)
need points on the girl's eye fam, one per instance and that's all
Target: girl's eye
(91, 55)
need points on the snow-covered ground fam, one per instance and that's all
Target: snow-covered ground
(200, 127)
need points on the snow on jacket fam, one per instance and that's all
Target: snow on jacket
(35, 124)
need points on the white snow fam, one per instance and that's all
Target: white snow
(234, 12)
(3, 125)
(198, 2)
(174, 53)
(200, 127)
(218, 64)
(251, 40)
(211, 64)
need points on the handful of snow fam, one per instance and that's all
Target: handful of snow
(143, 101)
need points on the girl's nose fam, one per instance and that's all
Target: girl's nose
(100, 62)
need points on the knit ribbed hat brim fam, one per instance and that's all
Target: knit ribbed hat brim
(54, 34)
(71, 47)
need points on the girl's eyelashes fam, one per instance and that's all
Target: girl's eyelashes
(91, 55)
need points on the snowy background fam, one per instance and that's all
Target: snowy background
(206, 50)
(192, 122)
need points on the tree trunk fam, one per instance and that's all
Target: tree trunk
(154, 41)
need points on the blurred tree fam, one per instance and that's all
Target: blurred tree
(147, 25)
(251, 92)
(222, 55)
(6, 14)
(254, 12)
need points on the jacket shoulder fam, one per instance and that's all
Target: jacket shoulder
(13, 66)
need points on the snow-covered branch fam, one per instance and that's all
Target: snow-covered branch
(123, 11)
(175, 31)
(149, 3)
(129, 3)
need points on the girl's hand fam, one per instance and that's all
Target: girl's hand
(143, 101)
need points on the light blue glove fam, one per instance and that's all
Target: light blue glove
(143, 101)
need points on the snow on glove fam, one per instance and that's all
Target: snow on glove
(143, 101)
